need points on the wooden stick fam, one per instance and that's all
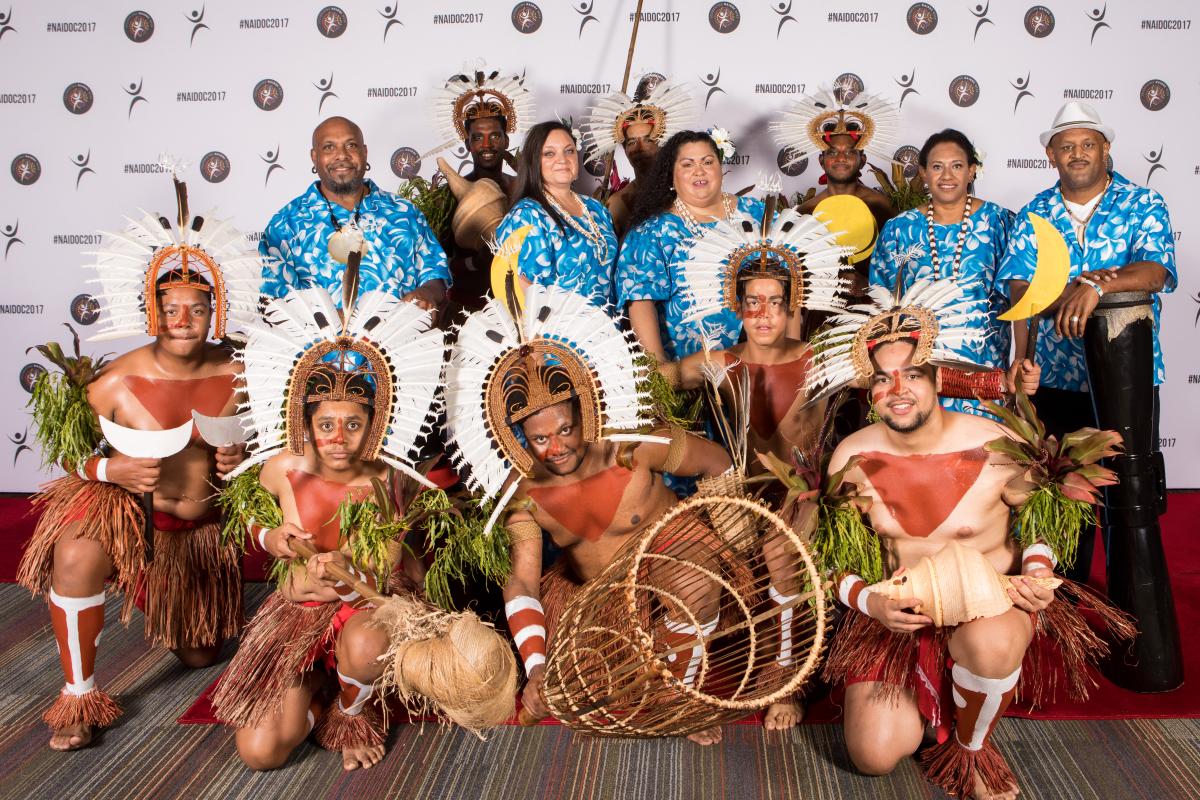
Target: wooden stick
(609, 161)
(305, 548)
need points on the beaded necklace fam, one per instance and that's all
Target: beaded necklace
(958, 248)
(1081, 234)
(728, 205)
(590, 230)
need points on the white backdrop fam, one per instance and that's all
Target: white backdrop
(181, 78)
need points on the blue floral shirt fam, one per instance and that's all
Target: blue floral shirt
(402, 252)
(564, 257)
(651, 268)
(983, 249)
(1130, 224)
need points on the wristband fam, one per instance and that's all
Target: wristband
(527, 624)
(94, 468)
(1094, 284)
(1038, 555)
(852, 591)
(258, 533)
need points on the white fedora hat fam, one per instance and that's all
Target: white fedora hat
(1075, 114)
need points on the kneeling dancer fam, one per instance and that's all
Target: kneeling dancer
(335, 407)
(941, 487)
(135, 509)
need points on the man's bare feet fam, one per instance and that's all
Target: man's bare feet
(982, 792)
(782, 716)
(706, 737)
(365, 757)
(72, 737)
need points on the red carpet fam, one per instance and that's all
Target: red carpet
(1107, 702)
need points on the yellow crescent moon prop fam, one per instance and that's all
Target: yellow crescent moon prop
(1049, 277)
(506, 262)
(853, 223)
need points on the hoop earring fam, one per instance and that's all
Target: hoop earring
(368, 166)
(314, 170)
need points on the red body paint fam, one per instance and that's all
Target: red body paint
(587, 508)
(171, 402)
(773, 390)
(921, 491)
(317, 501)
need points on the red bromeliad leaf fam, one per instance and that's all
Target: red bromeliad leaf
(1097, 475)
(1079, 488)
(1101, 444)
(1020, 452)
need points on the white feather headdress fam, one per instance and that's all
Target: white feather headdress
(807, 123)
(794, 247)
(668, 108)
(392, 342)
(501, 369)
(130, 263)
(476, 95)
(934, 314)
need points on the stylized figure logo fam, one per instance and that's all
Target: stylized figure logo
(81, 161)
(10, 236)
(1096, 15)
(26, 169)
(29, 375)
(711, 80)
(5, 20)
(724, 17)
(964, 91)
(325, 85)
(1039, 22)
(1155, 95)
(268, 94)
(921, 18)
(272, 161)
(585, 11)
(1154, 159)
(85, 309)
(19, 440)
(332, 22)
(78, 98)
(406, 163)
(527, 17)
(389, 14)
(139, 26)
(980, 12)
(784, 10)
(214, 167)
(197, 20)
(1022, 87)
(905, 82)
(134, 90)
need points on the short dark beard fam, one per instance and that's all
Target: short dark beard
(352, 186)
(917, 423)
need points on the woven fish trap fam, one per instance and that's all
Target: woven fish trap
(682, 631)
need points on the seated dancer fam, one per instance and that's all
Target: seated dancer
(310, 239)
(767, 272)
(330, 425)
(657, 111)
(480, 112)
(170, 284)
(542, 412)
(934, 478)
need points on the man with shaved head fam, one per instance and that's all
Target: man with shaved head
(312, 236)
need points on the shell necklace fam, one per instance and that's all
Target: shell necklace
(958, 247)
(590, 229)
(728, 204)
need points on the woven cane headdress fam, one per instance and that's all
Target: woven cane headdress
(668, 108)
(466, 97)
(502, 370)
(808, 124)
(200, 252)
(796, 249)
(383, 356)
(934, 315)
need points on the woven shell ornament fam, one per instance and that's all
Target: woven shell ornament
(807, 124)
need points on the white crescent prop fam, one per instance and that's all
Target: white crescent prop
(145, 444)
(221, 431)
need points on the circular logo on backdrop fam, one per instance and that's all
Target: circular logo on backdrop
(85, 309)
(964, 91)
(1155, 95)
(1039, 22)
(847, 86)
(26, 169)
(214, 166)
(29, 375)
(331, 22)
(268, 94)
(593, 164)
(789, 167)
(648, 83)
(406, 163)
(139, 26)
(526, 17)
(921, 18)
(78, 98)
(908, 157)
(724, 17)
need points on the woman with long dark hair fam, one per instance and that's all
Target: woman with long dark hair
(569, 241)
(682, 197)
(959, 237)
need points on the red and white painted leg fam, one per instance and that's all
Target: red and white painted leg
(353, 725)
(80, 707)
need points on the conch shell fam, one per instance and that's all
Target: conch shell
(955, 585)
(481, 206)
